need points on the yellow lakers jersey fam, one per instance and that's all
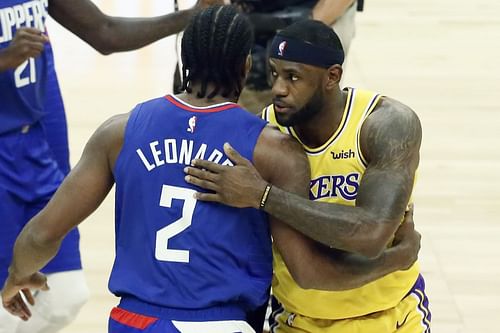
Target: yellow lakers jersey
(336, 170)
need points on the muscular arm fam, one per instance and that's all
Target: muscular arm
(329, 11)
(109, 34)
(80, 194)
(390, 139)
(314, 266)
(280, 160)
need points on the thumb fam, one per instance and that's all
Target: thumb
(409, 213)
(234, 156)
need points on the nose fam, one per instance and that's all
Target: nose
(279, 87)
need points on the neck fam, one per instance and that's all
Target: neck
(316, 131)
(193, 99)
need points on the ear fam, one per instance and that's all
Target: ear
(248, 64)
(246, 70)
(334, 75)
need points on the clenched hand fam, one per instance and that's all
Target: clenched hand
(27, 43)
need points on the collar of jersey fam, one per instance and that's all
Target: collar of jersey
(335, 135)
(205, 109)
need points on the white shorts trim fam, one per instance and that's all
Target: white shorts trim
(225, 326)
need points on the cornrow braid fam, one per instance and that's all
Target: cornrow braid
(218, 38)
(238, 41)
(215, 46)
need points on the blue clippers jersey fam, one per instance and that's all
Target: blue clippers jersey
(54, 119)
(22, 90)
(172, 250)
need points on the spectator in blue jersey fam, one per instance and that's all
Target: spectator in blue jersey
(33, 139)
(183, 265)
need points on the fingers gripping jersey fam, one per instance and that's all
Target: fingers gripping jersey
(22, 89)
(172, 250)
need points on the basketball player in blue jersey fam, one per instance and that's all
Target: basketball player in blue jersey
(363, 150)
(33, 137)
(183, 265)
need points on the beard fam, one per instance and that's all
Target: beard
(303, 115)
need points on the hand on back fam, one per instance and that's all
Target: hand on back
(238, 186)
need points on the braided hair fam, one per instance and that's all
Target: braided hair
(215, 46)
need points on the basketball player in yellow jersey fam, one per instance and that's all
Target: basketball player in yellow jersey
(363, 150)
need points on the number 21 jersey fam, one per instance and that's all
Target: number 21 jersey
(22, 89)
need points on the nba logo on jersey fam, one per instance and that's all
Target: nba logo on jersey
(281, 48)
(192, 124)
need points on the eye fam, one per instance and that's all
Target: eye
(274, 74)
(294, 77)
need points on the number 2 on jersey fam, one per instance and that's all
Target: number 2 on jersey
(162, 251)
(30, 78)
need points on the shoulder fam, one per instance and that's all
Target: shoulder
(391, 127)
(273, 140)
(155, 103)
(109, 135)
(279, 158)
(113, 126)
(391, 112)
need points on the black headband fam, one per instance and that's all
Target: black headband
(292, 49)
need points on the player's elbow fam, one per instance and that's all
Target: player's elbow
(103, 45)
(105, 39)
(103, 50)
(301, 274)
(308, 278)
(302, 279)
(45, 238)
(42, 237)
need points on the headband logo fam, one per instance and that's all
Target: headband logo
(281, 48)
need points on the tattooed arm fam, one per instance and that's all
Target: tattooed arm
(390, 140)
(315, 266)
(280, 160)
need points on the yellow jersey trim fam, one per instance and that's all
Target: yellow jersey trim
(371, 107)
(269, 110)
(336, 134)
